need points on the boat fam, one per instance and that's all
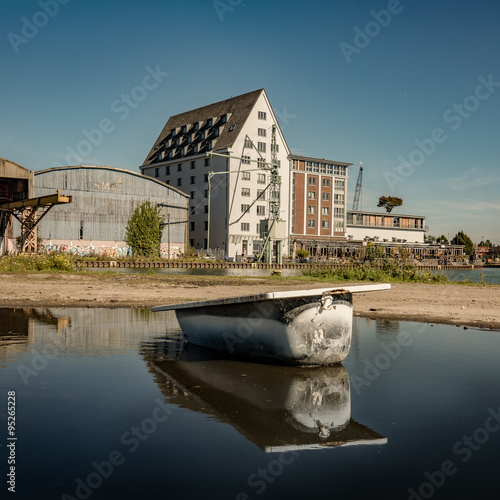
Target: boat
(300, 327)
(278, 408)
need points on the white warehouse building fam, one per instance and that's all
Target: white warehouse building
(231, 139)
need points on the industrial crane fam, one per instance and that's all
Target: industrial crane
(357, 194)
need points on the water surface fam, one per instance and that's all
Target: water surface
(110, 404)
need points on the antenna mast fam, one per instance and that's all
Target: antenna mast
(357, 194)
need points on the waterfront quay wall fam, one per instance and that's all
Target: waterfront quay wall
(243, 265)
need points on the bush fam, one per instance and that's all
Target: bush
(37, 262)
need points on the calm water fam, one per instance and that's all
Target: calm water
(109, 405)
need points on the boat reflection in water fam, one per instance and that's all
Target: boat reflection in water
(279, 408)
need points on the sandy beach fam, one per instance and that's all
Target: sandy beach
(462, 305)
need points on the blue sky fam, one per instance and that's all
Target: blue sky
(410, 88)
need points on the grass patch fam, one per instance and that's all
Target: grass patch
(36, 262)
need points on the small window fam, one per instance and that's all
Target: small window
(245, 176)
(189, 139)
(261, 162)
(261, 147)
(209, 145)
(207, 162)
(311, 195)
(261, 194)
(192, 194)
(325, 210)
(205, 178)
(216, 132)
(195, 148)
(223, 119)
(192, 179)
(325, 224)
(179, 167)
(312, 181)
(209, 122)
(196, 126)
(231, 128)
(193, 165)
(248, 143)
(205, 209)
(308, 166)
(172, 132)
(245, 160)
(202, 136)
(315, 166)
(244, 208)
(325, 196)
(262, 132)
(311, 209)
(167, 170)
(191, 226)
(245, 191)
(262, 115)
(183, 129)
(179, 182)
(245, 226)
(157, 172)
(261, 210)
(311, 223)
(275, 148)
(326, 183)
(261, 178)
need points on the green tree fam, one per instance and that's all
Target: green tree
(462, 239)
(144, 230)
(389, 202)
(442, 239)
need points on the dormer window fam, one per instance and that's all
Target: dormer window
(223, 119)
(172, 132)
(183, 129)
(209, 122)
(196, 126)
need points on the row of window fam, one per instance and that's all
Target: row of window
(261, 210)
(179, 167)
(325, 224)
(261, 146)
(337, 198)
(197, 125)
(326, 182)
(337, 212)
(322, 168)
(261, 178)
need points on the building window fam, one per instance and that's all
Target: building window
(157, 172)
(262, 115)
(312, 181)
(216, 132)
(167, 182)
(329, 169)
(209, 145)
(196, 126)
(339, 199)
(338, 213)
(179, 167)
(245, 176)
(248, 143)
(316, 167)
(193, 165)
(192, 194)
(192, 179)
(311, 195)
(339, 225)
(245, 191)
(205, 178)
(167, 170)
(223, 119)
(295, 164)
(325, 224)
(262, 132)
(326, 182)
(244, 208)
(189, 139)
(261, 210)
(261, 178)
(202, 136)
(179, 182)
(191, 226)
(322, 168)
(336, 169)
(205, 224)
(205, 193)
(183, 129)
(311, 209)
(325, 196)
(172, 132)
(205, 209)
(245, 160)
(325, 210)
(209, 122)
(207, 162)
(261, 147)
(195, 148)
(339, 184)
(261, 162)
(245, 226)
(261, 194)
(231, 128)
(311, 223)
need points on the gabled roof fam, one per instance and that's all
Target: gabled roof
(235, 110)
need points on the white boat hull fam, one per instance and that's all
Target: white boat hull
(307, 327)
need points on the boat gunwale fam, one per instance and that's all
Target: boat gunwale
(272, 295)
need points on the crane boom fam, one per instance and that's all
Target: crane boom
(357, 193)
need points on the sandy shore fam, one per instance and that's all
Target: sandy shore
(464, 305)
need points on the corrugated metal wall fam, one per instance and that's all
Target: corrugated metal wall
(104, 198)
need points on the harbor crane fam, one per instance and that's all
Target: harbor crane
(357, 193)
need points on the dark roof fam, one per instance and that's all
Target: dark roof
(235, 110)
(319, 160)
